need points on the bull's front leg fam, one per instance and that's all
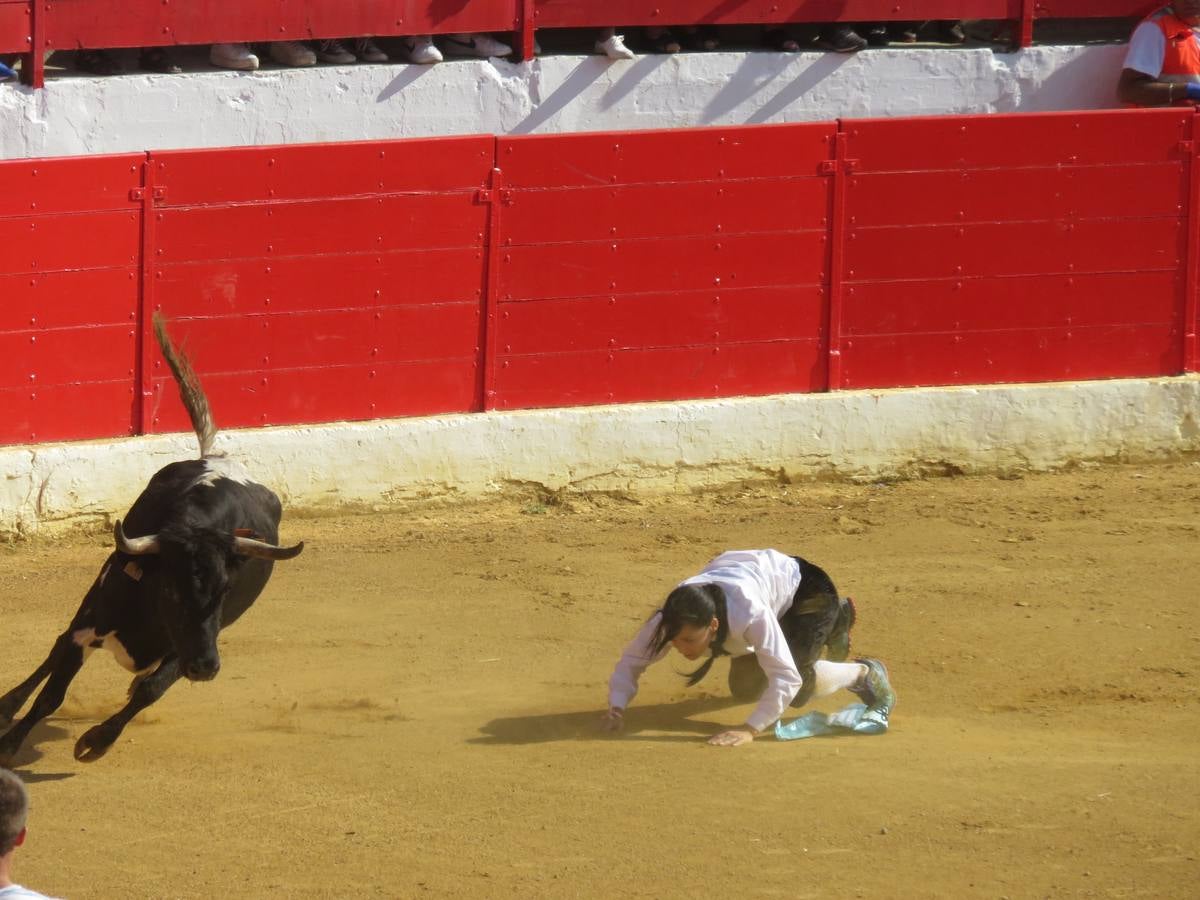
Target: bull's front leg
(61, 665)
(97, 740)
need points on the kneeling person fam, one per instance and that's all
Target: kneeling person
(774, 614)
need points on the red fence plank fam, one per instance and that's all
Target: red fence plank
(305, 172)
(1021, 195)
(1017, 140)
(68, 184)
(653, 210)
(995, 304)
(651, 157)
(1010, 356)
(302, 283)
(1014, 248)
(673, 373)
(595, 269)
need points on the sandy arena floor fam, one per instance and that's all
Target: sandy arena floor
(409, 709)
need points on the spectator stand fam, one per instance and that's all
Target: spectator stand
(32, 28)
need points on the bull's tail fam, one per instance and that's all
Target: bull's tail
(190, 391)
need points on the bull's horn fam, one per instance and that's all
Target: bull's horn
(262, 550)
(138, 546)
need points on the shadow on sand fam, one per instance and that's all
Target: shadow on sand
(30, 752)
(662, 722)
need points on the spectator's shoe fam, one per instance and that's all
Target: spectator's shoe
(420, 49)
(614, 47)
(950, 32)
(701, 37)
(875, 691)
(877, 36)
(157, 59)
(367, 50)
(232, 56)
(661, 40)
(333, 51)
(837, 647)
(479, 46)
(843, 39)
(292, 53)
(97, 62)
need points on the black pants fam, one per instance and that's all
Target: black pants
(815, 612)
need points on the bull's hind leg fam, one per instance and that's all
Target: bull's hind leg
(61, 665)
(96, 741)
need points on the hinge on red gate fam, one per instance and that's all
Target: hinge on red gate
(1184, 146)
(139, 194)
(489, 195)
(829, 166)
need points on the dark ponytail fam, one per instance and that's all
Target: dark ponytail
(696, 605)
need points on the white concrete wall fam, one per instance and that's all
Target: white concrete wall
(76, 116)
(635, 448)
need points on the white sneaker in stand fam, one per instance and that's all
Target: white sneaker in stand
(292, 53)
(232, 56)
(614, 47)
(477, 45)
(332, 51)
(420, 49)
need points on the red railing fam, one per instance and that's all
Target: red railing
(356, 281)
(31, 27)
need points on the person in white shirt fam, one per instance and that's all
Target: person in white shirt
(774, 614)
(14, 810)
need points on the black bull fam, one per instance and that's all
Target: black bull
(204, 541)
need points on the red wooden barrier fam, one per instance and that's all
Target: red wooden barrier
(33, 26)
(1012, 248)
(662, 265)
(323, 282)
(357, 281)
(68, 297)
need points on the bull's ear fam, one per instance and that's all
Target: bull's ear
(138, 546)
(244, 546)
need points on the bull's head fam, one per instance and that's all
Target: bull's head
(197, 567)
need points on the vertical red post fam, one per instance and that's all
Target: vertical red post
(1191, 278)
(1025, 37)
(143, 365)
(839, 167)
(525, 23)
(33, 64)
(491, 288)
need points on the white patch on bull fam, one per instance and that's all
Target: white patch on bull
(89, 640)
(103, 574)
(133, 570)
(219, 467)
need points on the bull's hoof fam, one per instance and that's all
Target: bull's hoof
(93, 745)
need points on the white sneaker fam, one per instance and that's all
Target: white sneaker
(478, 45)
(614, 47)
(232, 56)
(368, 51)
(292, 53)
(332, 51)
(420, 49)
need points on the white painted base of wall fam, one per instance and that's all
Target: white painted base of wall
(637, 448)
(131, 113)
